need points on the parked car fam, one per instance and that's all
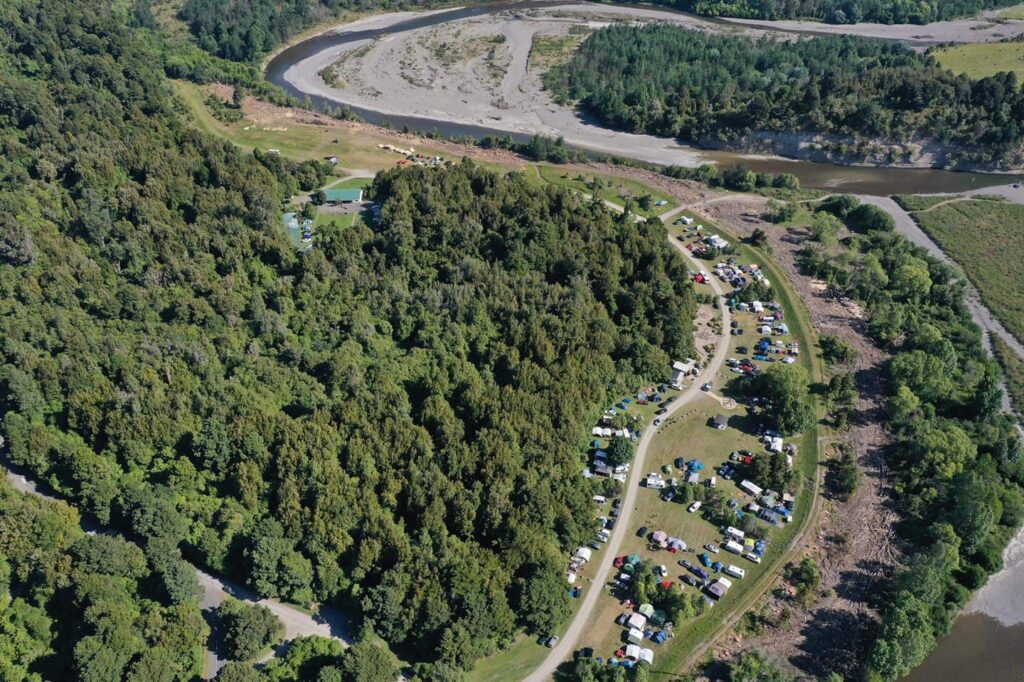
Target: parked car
(711, 548)
(694, 507)
(706, 386)
(680, 462)
(668, 495)
(616, 503)
(657, 422)
(685, 563)
(551, 642)
(642, 532)
(662, 570)
(661, 411)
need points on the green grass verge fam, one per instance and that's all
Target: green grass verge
(1013, 368)
(987, 239)
(918, 202)
(980, 60)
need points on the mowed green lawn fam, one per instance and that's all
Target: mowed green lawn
(980, 60)
(987, 239)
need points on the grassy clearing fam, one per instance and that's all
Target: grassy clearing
(1012, 12)
(1013, 368)
(549, 51)
(983, 59)
(692, 437)
(611, 188)
(355, 146)
(987, 239)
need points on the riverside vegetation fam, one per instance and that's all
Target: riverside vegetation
(957, 463)
(391, 421)
(710, 88)
(841, 11)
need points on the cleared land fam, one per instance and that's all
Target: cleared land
(983, 59)
(986, 238)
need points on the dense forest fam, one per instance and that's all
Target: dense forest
(90, 608)
(841, 11)
(245, 30)
(957, 463)
(712, 89)
(391, 421)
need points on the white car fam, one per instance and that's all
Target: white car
(695, 506)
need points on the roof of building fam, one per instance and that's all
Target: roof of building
(343, 194)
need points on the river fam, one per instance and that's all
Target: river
(859, 179)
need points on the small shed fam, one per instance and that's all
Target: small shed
(719, 422)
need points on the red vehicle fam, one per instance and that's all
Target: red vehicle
(619, 561)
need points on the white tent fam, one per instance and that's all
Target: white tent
(646, 655)
(637, 621)
(633, 651)
(583, 554)
(635, 636)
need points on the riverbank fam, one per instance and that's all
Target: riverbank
(456, 70)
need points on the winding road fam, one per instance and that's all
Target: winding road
(328, 622)
(568, 643)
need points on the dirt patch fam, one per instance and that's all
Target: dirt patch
(706, 330)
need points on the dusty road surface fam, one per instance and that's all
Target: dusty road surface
(571, 639)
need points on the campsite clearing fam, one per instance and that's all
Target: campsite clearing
(980, 60)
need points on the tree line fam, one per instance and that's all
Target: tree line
(715, 89)
(957, 461)
(391, 422)
(841, 11)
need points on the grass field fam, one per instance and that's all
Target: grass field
(355, 147)
(1012, 12)
(987, 239)
(979, 60)
(918, 202)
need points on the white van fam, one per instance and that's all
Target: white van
(600, 499)
(735, 571)
(750, 556)
(734, 547)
